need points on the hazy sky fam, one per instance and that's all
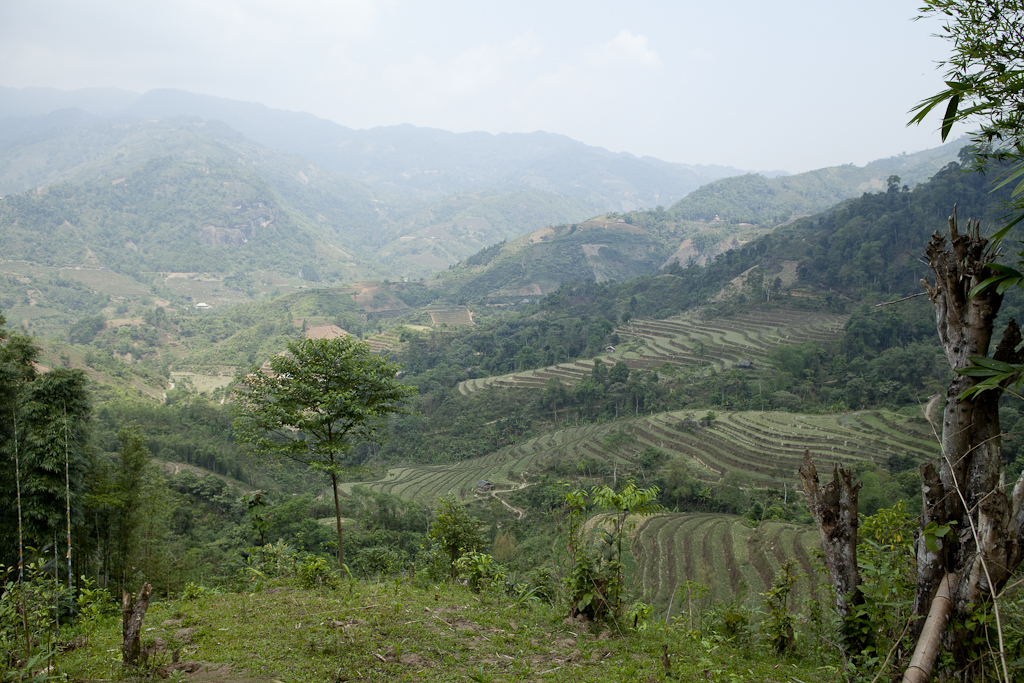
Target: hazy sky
(758, 85)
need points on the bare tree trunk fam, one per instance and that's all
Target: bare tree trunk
(985, 544)
(834, 508)
(132, 613)
(337, 519)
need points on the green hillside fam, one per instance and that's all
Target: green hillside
(685, 341)
(599, 249)
(765, 448)
(167, 215)
(769, 201)
(354, 224)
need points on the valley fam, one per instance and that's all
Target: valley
(560, 342)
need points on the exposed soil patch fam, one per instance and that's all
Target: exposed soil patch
(325, 332)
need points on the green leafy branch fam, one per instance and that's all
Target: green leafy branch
(994, 374)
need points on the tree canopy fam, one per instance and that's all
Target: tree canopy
(314, 403)
(44, 428)
(984, 82)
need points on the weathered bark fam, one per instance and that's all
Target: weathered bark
(132, 613)
(834, 509)
(966, 491)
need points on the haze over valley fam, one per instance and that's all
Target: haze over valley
(460, 342)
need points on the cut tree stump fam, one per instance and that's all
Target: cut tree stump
(834, 509)
(133, 611)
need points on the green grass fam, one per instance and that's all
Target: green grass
(396, 631)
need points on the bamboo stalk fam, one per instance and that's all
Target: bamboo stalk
(17, 483)
(67, 499)
(920, 668)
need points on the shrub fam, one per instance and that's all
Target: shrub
(479, 570)
(455, 531)
(432, 565)
(505, 547)
(314, 571)
(732, 621)
(777, 626)
(638, 614)
(380, 560)
(542, 583)
(194, 590)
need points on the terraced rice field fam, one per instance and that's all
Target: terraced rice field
(727, 341)
(459, 315)
(506, 468)
(722, 552)
(769, 446)
(766, 447)
(383, 342)
(719, 551)
(686, 341)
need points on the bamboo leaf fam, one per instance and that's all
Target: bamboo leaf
(976, 372)
(950, 118)
(992, 363)
(985, 284)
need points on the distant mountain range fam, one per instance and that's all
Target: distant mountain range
(167, 181)
(416, 162)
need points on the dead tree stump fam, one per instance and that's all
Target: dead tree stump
(966, 490)
(133, 611)
(834, 509)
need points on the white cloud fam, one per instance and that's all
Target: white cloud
(425, 81)
(634, 47)
(609, 65)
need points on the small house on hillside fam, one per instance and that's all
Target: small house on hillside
(745, 365)
(483, 486)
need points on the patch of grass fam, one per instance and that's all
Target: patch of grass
(394, 630)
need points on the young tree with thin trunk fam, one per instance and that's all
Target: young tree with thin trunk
(129, 482)
(315, 403)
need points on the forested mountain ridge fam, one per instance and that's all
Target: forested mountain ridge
(167, 215)
(767, 202)
(416, 162)
(383, 233)
(349, 229)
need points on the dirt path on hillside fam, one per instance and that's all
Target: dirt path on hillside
(176, 468)
(519, 511)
